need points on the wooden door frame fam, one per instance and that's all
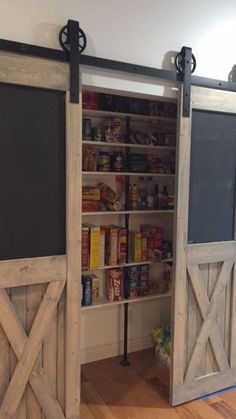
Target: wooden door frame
(57, 271)
(218, 101)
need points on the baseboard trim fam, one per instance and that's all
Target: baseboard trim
(97, 353)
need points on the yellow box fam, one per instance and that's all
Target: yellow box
(135, 247)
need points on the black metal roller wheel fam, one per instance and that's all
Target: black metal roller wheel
(179, 63)
(64, 39)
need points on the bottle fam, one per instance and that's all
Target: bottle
(165, 197)
(156, 197)
(134, 197)
(142, 194)
(150, 197)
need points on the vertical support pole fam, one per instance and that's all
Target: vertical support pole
(125, 362)
(73, 37)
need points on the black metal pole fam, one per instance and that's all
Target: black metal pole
(125, 362)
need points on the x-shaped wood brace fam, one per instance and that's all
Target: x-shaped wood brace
(209, 327)
(27, 350)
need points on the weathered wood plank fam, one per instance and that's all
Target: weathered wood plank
(212, 277)
(31, 71)
(179, 300)
(61, 324)
(34, 298)
(20, 272)
(73, 223)
(31, 350)
(18, 299)
(210, 252)
(213, 99)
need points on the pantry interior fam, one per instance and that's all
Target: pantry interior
(139, 129)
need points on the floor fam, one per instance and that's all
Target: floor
(110, 391)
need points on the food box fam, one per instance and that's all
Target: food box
(114, 284)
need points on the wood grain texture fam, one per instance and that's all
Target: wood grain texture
(31, 71)
(73, 250)
(179, 300)
(111, 391)
(32, 346)
(20, 272)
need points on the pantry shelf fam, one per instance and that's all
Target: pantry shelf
(134, 117)
(124, 265)
(170, 211)
(105, 303)
(148, 146)
(160, 175)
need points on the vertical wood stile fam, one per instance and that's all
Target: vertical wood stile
(73, 230)
(18, 299)
(50, 354)
(61, 352)
(233, 319)
(33, 300)
(204, 273)
(4, 362)
(181, 230)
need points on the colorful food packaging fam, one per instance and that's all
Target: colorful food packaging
(95, 289)
(87, 290)
(102, 248)
(85, 247)
(89, 158)
(133, 281)
(122, 245)
(144, 248)
(111, 244)
(94, 246)
(135, 246)
(114, 284)
(144, 280)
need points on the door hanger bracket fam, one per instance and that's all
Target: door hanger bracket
(185, 64)
(73, 40)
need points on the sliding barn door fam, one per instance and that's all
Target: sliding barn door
(204, 306)
(39, 241)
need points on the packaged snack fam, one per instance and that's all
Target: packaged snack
(91, 193)
(114, 284)
(85, 247)
(111, 244)
(122, 245)
(94, 246)
(87, 129)
(144, 280)
(95, 289)
(135, 246)
(104, 161)
(144, 248)
(154, 235)
(87, 290)
(133, 281)
(102, 248)
(89, 158)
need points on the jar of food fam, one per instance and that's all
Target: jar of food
(118, 161)
(104, 162)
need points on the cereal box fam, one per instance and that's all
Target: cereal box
(133, 281)
(144, 280)
(114, 284)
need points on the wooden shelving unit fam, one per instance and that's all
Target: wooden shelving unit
(170, 211)
(131, 145)
(89, 113)
(125, 265)
(105, 303)
(157, 175)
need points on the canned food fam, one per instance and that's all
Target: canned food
(104, 162)
(118, 162)
(87, 129)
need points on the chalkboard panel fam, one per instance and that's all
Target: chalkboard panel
(32, 172)
(212, 177)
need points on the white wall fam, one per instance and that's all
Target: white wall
(138, 31)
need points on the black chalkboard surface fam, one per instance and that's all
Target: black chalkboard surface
(32, 172)
(212, 177)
